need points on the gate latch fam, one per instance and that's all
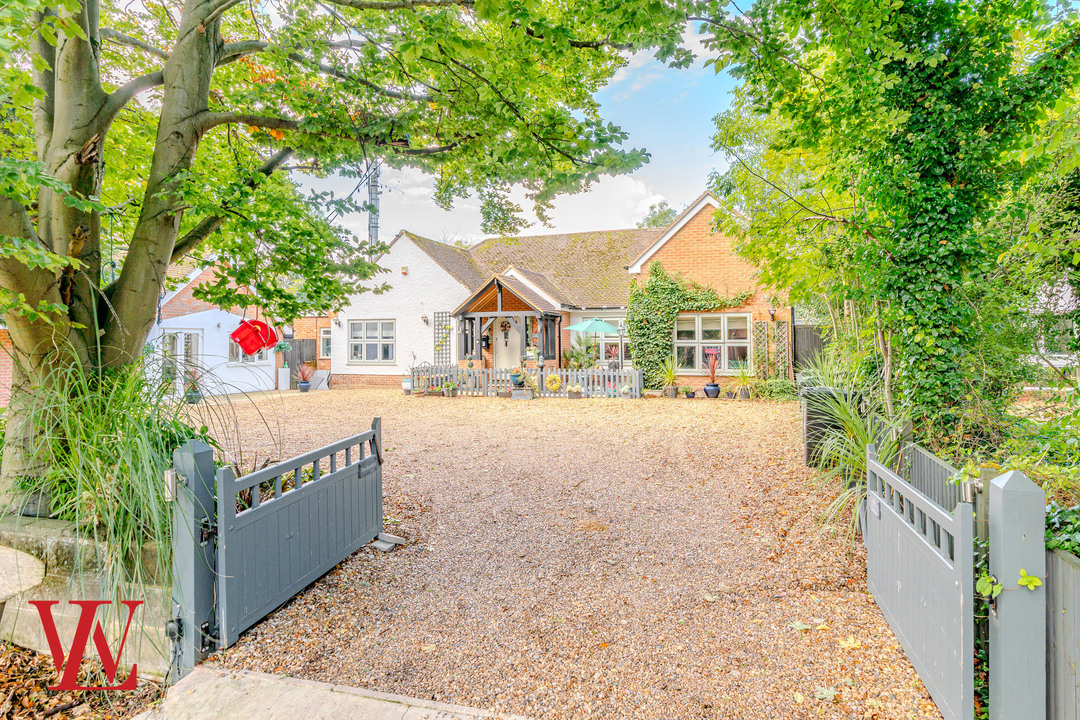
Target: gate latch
(207, 530)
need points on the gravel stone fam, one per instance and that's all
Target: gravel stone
(572, 559)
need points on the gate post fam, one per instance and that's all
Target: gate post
(194, 557)
(1018, 617)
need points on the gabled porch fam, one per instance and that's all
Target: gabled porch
(507, 323)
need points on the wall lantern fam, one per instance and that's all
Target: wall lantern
(487, 342)
(772, 313)
(424, 318)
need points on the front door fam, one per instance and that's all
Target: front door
(507, 344)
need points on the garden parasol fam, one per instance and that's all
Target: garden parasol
(594, 326)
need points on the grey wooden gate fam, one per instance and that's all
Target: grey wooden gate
(807, 342)
(1062, 636)
(276, 530)
(920, 570)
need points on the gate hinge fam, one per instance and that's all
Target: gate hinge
(174, 628)
(207, 530)
(209, 637)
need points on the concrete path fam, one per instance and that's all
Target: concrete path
(212, 693)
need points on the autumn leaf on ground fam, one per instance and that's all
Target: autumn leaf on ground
(850, 644)
(798, 625)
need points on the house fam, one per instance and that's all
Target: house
(193, 336)
(488, 303)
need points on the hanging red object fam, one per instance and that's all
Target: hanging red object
(254, 335)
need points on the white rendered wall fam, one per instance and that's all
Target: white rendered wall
(425, 290)
(217, 375)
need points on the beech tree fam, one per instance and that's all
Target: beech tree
(177, 122)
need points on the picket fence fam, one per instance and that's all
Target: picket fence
(489, 382)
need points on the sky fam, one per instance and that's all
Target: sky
(667, 112)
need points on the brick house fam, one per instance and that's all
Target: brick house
(495, 299)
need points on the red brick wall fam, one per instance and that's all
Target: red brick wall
(306, 328)
(340, 381)
(5, 367)
(184, 301)
(698, 254)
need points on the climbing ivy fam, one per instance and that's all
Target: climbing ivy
(651, 313)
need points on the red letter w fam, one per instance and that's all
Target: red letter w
(69, 671)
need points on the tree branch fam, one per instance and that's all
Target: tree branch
(400, 4)
(121, 39)
(197, 235)
(123, 94)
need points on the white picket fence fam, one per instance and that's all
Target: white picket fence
(489, 382)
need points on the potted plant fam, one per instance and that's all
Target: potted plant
(744, 380)
(449, 389)
(303, 375)
(711, 364)
(418, 391)
(669, 375)
(515, 376)
(574, 391)
(469, 358)
(434, 391)
(625, 392)
(192, 394)
(688, 391)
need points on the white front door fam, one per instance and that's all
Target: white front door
(507, 344)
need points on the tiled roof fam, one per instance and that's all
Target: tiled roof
(545, 285)
(588, 268)
(454, 260)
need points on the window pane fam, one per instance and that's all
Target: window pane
(372, 330)
(371, 352)
(388, 331)
(738, 356)
(687, 355)
(234, 352)
(626, 352)
(354, 351)
(686, 328)
(709, 352)
(388, 351)
(738, 328)
(356, 330)
(711, 328)
(326, 345)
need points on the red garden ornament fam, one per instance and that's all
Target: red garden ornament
(254, 335)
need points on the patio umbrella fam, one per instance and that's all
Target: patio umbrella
(594, 326)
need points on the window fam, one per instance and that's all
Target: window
(324, 343)
(372, 341)
(726, 335)
(615, 347)
(236, 355)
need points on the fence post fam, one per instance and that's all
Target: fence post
(194, 557)
(1018, 618)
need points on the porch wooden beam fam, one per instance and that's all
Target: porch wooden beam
(498, 301)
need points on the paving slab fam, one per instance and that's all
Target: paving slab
(213, 693)
(19, 572)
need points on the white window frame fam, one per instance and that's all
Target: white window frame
(698, 342)
(239, 357)
(380, 341)
(325, 334)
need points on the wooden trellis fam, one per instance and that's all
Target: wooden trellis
(442, 338)
(781, 341)
(761, 348)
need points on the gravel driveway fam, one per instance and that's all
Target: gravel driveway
(587, 559)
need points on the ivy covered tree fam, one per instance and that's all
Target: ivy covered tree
(138, 136)
(917, 115)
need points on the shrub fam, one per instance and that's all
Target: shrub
(776, 388)
(1063, 528)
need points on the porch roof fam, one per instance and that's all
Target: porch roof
(515, 287)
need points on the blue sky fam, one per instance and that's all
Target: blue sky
(667, 112)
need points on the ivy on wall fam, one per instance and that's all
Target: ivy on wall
(651, 312)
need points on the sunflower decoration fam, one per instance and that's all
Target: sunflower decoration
(553, 383)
